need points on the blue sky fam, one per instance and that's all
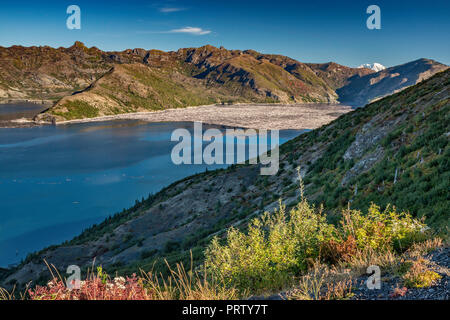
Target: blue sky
(310, 31)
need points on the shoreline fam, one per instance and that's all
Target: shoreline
(255, 116)
(42, 102)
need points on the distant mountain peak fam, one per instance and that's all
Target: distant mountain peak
(373, 66)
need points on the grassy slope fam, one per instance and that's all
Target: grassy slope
(405, 133)
(132, 88)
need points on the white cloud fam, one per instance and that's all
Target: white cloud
(171, 9)
(186, 30)
(191, 30)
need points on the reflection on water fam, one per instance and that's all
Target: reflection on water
(57, 181)
(14, 111)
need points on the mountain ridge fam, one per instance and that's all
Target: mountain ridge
(360, 91)
(87, 82)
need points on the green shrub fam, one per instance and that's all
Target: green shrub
(382, 231)
(279, 246)
(276, 248)
(171, 246)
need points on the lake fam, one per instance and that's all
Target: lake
(57, 181)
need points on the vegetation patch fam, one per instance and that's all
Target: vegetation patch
(419, 275)
(77, 109)
(280, 246)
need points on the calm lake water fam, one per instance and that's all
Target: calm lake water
(57, 181)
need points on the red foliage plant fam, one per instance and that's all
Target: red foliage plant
(398, 292)
(333, 251)
(94, 289)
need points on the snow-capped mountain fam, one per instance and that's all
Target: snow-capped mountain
(373, 66)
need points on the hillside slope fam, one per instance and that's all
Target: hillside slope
(394, 151)
(45, 73)
(337, 76)
(132, 88)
